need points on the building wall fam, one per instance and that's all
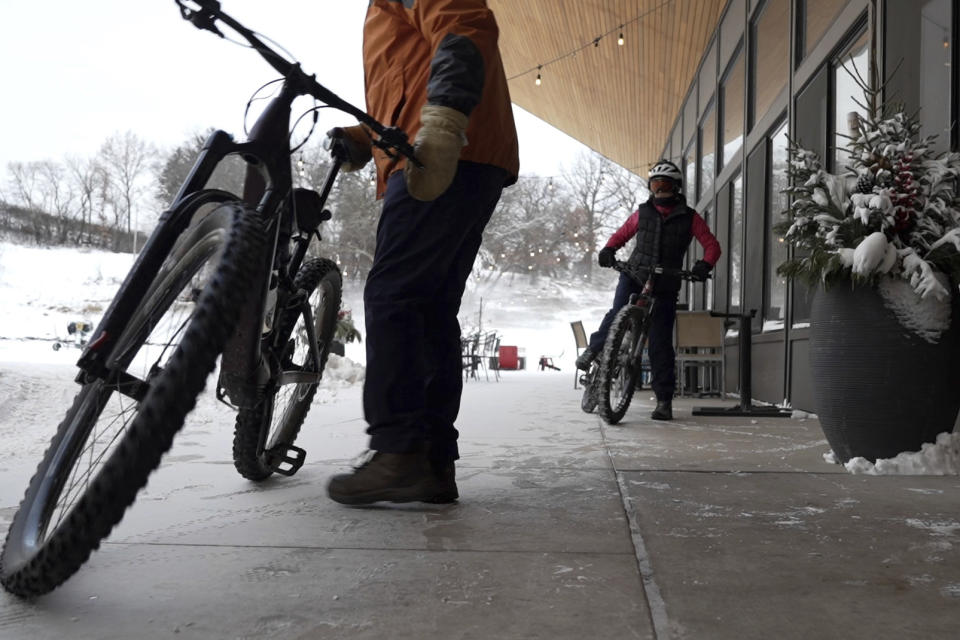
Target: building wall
(784, 67)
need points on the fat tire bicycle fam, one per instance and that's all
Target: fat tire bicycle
(221, 277)
(616, 371)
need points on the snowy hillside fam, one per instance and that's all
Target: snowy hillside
(42, 290)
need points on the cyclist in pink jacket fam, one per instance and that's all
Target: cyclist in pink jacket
(664, 226)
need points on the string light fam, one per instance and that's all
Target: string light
(594, 41)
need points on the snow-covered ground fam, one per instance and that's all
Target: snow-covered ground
(43, 290)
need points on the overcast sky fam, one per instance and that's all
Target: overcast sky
(75, 71)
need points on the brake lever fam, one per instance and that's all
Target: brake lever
(205, 20)
(395, 139)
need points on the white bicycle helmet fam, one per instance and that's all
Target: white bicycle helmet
(665, 169)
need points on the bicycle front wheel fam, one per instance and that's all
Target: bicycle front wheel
(119, 427)
(264, 432)
(620, 363)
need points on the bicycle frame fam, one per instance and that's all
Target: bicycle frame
(268, 187)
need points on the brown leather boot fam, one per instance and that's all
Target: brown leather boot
(663, 411)
(389, 477)
(445, 474)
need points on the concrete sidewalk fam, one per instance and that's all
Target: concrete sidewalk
(706, 528)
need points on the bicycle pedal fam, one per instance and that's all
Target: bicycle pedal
(285, 459)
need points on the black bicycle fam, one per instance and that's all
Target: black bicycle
(223, 277)
(616, 371)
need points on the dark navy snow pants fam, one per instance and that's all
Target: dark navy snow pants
(424, 253)
(659, 343)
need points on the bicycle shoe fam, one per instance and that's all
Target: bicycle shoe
(584, 360)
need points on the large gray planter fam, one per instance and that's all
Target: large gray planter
(879, 388)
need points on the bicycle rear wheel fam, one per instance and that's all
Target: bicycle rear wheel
(262, 434)
(109, 442)
(620, 363)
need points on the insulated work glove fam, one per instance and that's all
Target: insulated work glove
(607, 257)
(437, 146)
(350, 145)
(701, 269)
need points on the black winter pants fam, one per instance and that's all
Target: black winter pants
(424, 253)
(660, 342)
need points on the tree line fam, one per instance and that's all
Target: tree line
(543, 226)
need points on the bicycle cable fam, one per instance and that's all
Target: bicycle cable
(254, 98)
(315, 111)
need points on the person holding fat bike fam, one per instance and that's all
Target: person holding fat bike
(664, 226)
(433, 69)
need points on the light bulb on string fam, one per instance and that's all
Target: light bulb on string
(538, 82)
(620, 39)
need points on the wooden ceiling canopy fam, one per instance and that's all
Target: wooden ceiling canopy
(618, 100)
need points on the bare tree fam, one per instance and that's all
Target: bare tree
(356, 214)
(25, 184)
(57, 197)
(87, 178)
(530, 231)
(23, 180)
(127, 161)
(590, 182)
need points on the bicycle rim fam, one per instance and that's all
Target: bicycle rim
(109, 443)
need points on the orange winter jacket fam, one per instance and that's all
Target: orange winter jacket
(444, 52)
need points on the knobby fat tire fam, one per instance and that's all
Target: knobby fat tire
(253, 425)
(630, 318)
(30, 567)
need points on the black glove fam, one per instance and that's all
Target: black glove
(701, 269)
(607, 257)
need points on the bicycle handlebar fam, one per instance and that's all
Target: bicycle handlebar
(207, 14)
(642, 274)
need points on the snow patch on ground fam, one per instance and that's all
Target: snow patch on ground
(934, 459)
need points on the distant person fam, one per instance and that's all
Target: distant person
(433, 69)
(664, 227)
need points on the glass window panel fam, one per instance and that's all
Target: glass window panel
(776, 286)
(920, 42)
(771, 59)
(736, 244)
(817, 16)
(676, 148)
(708, 156)
(730, 30)
(690, 182)
(732, 97)
(847, 93)
(690, 118)
(708, 78)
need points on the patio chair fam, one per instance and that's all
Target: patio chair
(699, 342)
(470, 355)
(490, 355)
(580, 339)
